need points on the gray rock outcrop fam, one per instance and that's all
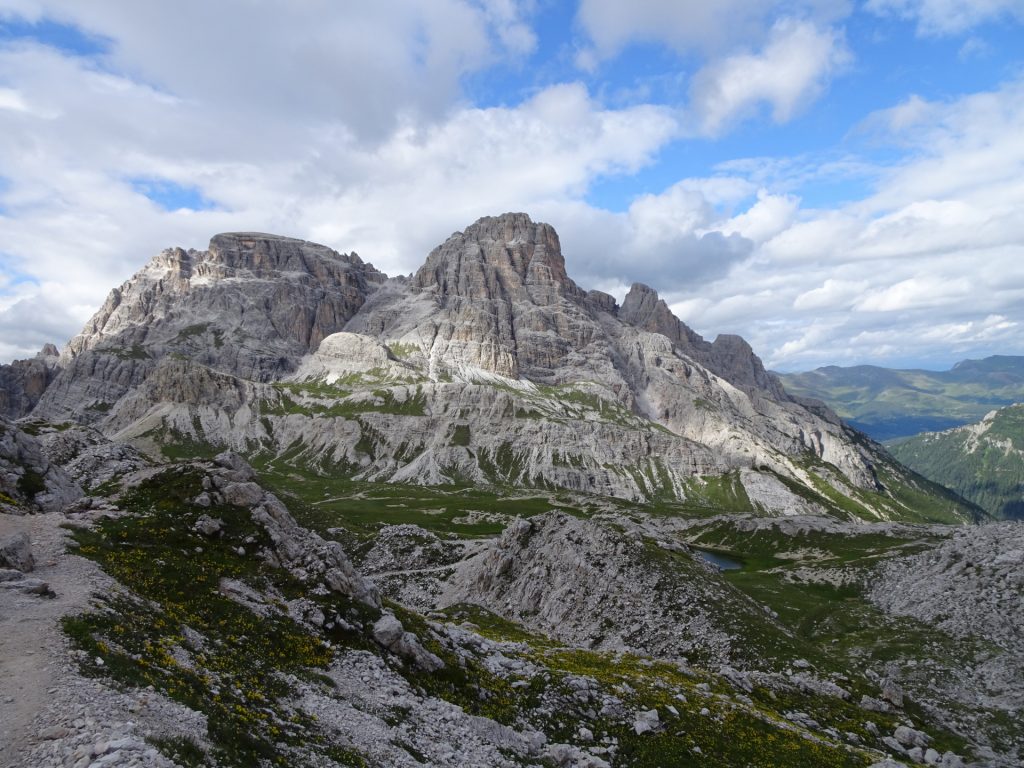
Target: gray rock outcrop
(302, 552)
(251, 305)
(591, 586)
(23, 382)
(29, 481)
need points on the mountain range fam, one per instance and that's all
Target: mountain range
(888, 404)
(290, 511)
(488, 365)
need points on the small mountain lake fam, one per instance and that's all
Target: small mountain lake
(724, 562)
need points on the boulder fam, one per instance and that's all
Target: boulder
(16, 552)
(390, 634)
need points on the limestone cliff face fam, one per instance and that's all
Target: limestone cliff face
(495, 297)
(23, 382)
(729, 356)
(251, 306)
(29, 481)
(489, 364)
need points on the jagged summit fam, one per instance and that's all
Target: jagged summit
(508, 257)
(729, 356)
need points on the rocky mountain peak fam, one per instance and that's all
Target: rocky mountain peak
(730, 356)
(644, 309)
(262, 254)
(500, 257)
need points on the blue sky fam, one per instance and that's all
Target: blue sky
(839, 181)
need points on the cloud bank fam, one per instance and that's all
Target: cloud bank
(146, 126)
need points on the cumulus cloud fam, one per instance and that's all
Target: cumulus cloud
(74, 215)
(279, 62)
(948, 17)
(791, 69)
(930, 263)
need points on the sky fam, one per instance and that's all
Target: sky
(838, 181)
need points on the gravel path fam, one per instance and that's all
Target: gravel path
(32, 647)
(50, 715)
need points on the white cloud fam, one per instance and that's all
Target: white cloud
(791, 69)
(693, 25)
(928, 266)
(769, 216)
(12, 100)
(916, 293)
(831, 294)
(949, 17)
(362, 66)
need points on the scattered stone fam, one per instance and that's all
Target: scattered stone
(646, 721)
(910, 737)
(208, 526)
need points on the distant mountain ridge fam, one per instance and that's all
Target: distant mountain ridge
(888, 403)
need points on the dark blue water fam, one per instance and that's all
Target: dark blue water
(723, 562)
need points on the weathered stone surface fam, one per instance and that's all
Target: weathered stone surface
(23, 382)
(591, 586)
(251, 305)
(389, 632)
(29, 481)
(16, 552)
(305, 554)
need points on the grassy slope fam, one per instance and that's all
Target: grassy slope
(171, 576)
(839, 630)
(988, 470)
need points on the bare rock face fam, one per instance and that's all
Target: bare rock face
(90, 458)
(251, 305)
(591, 586)
(29, 481)
(499, 300)
(302, 552)
(16, 552)
(342, 354)
(23, 382)
(969, 585)
(729, 356)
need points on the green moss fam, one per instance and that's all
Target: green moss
(181, 750)
(403, 350)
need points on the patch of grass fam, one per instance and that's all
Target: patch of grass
(237, 674)
(182, 750)
(460, 435)
(322, 500)
(403, 350)
(31, 483)
(135, 352)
